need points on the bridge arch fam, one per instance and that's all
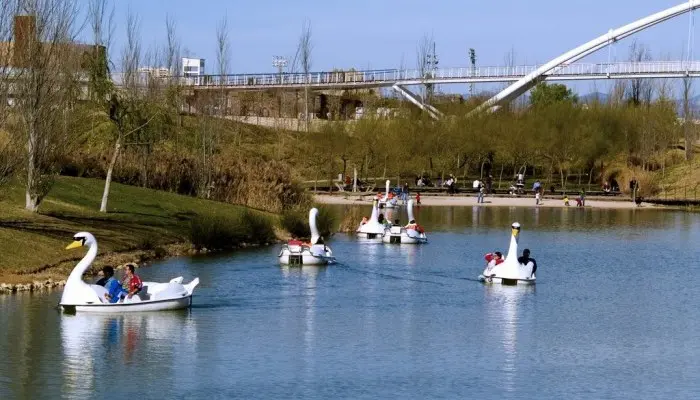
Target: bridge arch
(528, 81)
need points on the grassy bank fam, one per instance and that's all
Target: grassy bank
(142, 223)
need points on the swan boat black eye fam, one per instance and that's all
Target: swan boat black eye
(80, 239)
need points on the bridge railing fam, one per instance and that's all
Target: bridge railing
(367, 78)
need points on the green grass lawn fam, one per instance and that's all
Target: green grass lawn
(137, 218)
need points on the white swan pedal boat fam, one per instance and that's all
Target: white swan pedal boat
(79, 296)
(372, 230)
(296, 253)
(385, 201)
(402, 235)
(510, 271)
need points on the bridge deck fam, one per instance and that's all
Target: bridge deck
(389, 77)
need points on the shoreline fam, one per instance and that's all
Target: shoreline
(490, 201)
(54, 276)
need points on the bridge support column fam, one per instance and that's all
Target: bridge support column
(415, 99)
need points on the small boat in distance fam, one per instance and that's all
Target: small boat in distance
(371, 230)
(510, 271)
(388, 200)
(410, 234)
(154, 296)
(295, 252)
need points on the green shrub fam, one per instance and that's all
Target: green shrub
(215, 232)
(296, 222)
(325, 221)
(259, 228)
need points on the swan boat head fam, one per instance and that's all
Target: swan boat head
(313, 213)
(76, 291)
(513, 249)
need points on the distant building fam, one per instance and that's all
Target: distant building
(17, 53)
(192, 66)
(155, 72)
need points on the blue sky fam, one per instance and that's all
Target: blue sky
(380, 33)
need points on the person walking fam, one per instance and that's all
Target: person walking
(480, 196)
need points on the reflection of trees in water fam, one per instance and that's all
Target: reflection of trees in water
(436, 218)
(25, 343)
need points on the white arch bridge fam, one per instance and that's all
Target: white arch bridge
(523, 78)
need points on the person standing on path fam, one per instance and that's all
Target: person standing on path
(480, 196)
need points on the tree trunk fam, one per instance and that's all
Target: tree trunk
(384, 174)
(689, 140)
(306, 105)
(110, 170)
(561, 175)
(500, 177)
(32, 200)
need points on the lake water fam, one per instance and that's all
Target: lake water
(614, 315)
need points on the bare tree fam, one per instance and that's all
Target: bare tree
(173, 47)
(424, 64)
(119, 104)
(303, 57)
(223, 50)
(9, 153)
(639, 91)
(509, 61)
(688, 131)
(46, 88)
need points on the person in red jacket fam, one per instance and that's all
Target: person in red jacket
(133, 282)
(493, 259)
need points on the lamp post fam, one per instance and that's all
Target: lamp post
(280, 63)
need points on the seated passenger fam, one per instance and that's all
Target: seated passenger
(413, 225)
(112, 285)
(364, 221)
(102, 281)
(525, 259)
(493, 259)
(134, 282)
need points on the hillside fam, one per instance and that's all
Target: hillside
(32, 245)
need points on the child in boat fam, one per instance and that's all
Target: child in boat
(364, 221)
(133, 283)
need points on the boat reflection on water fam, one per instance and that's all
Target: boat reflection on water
(504, 306)
(168, 338)
(308, 275)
